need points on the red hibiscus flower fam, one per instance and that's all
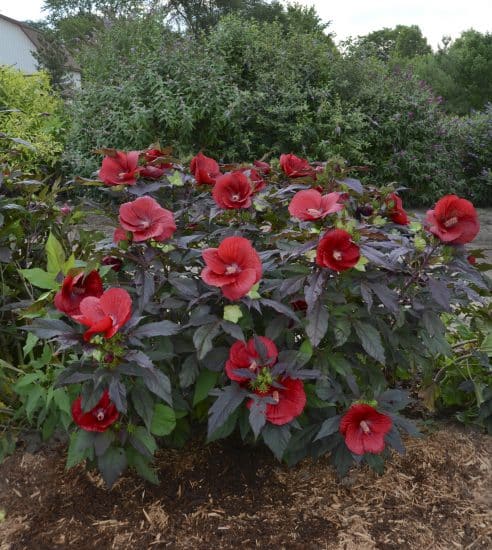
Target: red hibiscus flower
(262, 166)
(290, 401)
(155, 156)
(151, 172)
(119, 235)
(256, 181)
(234, 267)
(106, 314)
(97, 419)
(146, 219)
(120, 169)
(155, 166)
(295, 167)
(364, 428)
(453, 220)
(232, 190)
(396, 212)
(337, 251)
(244, 355)
(309, 205)
(205, 169)
(75, 288)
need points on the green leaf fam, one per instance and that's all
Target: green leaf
(33, 397)
(232, 313)
(175, 179)
(305, 353)
(276, 439)
(317, 323)
(142, 435)
(40, 278)
(70, 264)
(370, 340)
(80, 448)
(62, 400)
(341, 328)
(205, 382)
(203, 337)
(375, 462)
(141, 465)
(55, 255)
(226, 429)
(163, 420)
(112, 464)
(31, 341)
(143, 403)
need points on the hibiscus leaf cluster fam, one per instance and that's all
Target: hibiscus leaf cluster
(278, 300)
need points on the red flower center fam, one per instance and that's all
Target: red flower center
(451, 222)
(100, 415)
(232, 268)
(253, 366)
(314, 212)
(235, 197)
(276, 396)
(364, 426)
(337, 255)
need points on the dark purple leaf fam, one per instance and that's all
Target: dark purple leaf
(228, 400)
(160, 328)
(317, 323)
(440, 293)
(353, 184)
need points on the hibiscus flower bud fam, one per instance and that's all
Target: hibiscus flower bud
(395, 210)
(453, 220)
(66, 209)
(115, 263)
(471, 259)
(366, 210)
(337, 251)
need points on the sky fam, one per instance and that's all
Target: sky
(436, 18)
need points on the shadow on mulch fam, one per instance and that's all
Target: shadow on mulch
(436, 496)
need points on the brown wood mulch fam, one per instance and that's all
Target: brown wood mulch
(437, 496)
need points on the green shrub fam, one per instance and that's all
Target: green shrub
(29, 110)
(472, 140)
(249, 89)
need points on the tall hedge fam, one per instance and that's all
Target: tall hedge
(249, 89)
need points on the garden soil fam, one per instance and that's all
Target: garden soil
(437, 496)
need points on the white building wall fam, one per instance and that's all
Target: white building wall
(15, 48)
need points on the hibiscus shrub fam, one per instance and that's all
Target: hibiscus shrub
(283, 302)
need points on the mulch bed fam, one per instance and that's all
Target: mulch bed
(437, 496)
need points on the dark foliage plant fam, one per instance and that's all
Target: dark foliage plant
(305, 333)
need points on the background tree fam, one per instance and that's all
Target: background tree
(403, 42)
